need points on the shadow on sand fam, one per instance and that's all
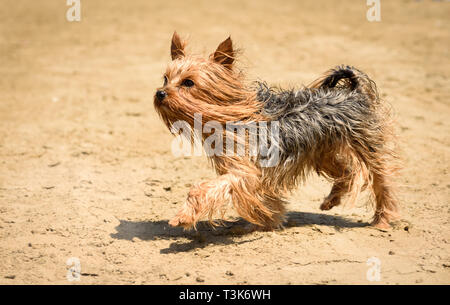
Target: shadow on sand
(206, 235)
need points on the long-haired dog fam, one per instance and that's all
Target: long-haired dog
(337, 127)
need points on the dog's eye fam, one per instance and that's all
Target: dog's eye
(165, 80)
(187, 83)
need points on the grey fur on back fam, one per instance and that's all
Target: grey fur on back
(313, 119)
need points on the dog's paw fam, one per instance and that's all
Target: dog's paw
(329, 204)
(182, 220)
(174, 222)
(381, 224)
(325, 206)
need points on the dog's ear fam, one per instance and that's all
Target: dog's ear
(225, 54)
(177, 47)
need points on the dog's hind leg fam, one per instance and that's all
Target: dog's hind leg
(334, 198)
(348, 177)
(386, 205)
(336, 170)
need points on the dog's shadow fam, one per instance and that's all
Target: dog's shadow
(224, 234)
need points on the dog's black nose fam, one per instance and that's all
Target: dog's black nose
(160, 94)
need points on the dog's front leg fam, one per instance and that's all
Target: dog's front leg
(204, 199)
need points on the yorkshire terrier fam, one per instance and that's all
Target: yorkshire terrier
(337, 127)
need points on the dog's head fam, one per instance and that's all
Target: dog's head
(210, 86)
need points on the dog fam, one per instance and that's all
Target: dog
(337, 127)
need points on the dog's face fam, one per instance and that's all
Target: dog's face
(193, 84)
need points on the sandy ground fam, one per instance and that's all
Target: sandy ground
(86, 168)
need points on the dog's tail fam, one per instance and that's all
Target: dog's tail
(347, 77)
